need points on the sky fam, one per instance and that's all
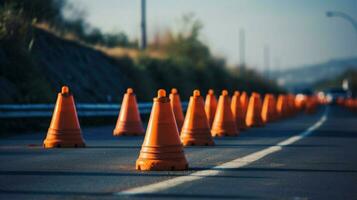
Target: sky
(297, 32)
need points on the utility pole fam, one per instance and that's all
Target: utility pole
(143, 41)
(277, 65)
(266, 52)
(242, 47)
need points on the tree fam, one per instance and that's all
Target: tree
(38, 10)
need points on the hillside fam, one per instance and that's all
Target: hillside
(309, 75)
(37, 75)
(336, 82)
(91, 75)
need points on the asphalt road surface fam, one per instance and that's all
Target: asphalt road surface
(305, 157)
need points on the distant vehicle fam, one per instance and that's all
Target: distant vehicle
(332, 95)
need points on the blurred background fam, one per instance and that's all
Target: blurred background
(101, 47)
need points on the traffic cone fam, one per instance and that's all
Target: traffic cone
(300, 102)
(281, 106)
(244, 102)
(64, 130)
(254, 117)
(196, 130)
(291, 104)
(311, 105)
(350, 104)
(275, 115)
(129, 122)
(177, 108)
(210, 106)
(353, 105)
(162, 148)
(224, 123)
(268, 109)
(340, 101)
(237, 111)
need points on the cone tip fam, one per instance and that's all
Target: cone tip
(130, 91)
(224, 92)
(196, 93)
(211, 92)
(236, 93)
(65, 90)
(174, 91)
(161, 93)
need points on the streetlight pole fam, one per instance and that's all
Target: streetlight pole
(353, 23)
(242, 48)
(344, 16)
(143, 25)
(266, 53)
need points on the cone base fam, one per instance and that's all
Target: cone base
(63, 139)
(225, 129)
(256, 125)
(196, 137)
(266, 121)
(128, 129)
(161, 165)
(49, 145)
(124, 133)
(224, 134)
(195, 142)
(257, 122)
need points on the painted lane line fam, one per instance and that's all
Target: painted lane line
(234, 164)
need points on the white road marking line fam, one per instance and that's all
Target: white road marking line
(234, 164)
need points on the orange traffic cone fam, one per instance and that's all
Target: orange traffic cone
(353, 105)
(224, 124)
(129, 122)
(177, 108)
(291, 104)
(340, 101)
(349, 103)
(300, 102)
(268, 109)
(281, 106)
(162, 148)
(311, 105)
(276, 114)
(254, 117)
(210, 106)
(64, 129)
(195, 130)
(237, 111)
(244, 102)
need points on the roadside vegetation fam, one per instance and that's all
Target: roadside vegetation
(173, 59)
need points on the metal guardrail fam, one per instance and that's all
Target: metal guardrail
(10, 111)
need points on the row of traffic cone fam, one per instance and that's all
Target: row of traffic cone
(349, 103)
(162, 148)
